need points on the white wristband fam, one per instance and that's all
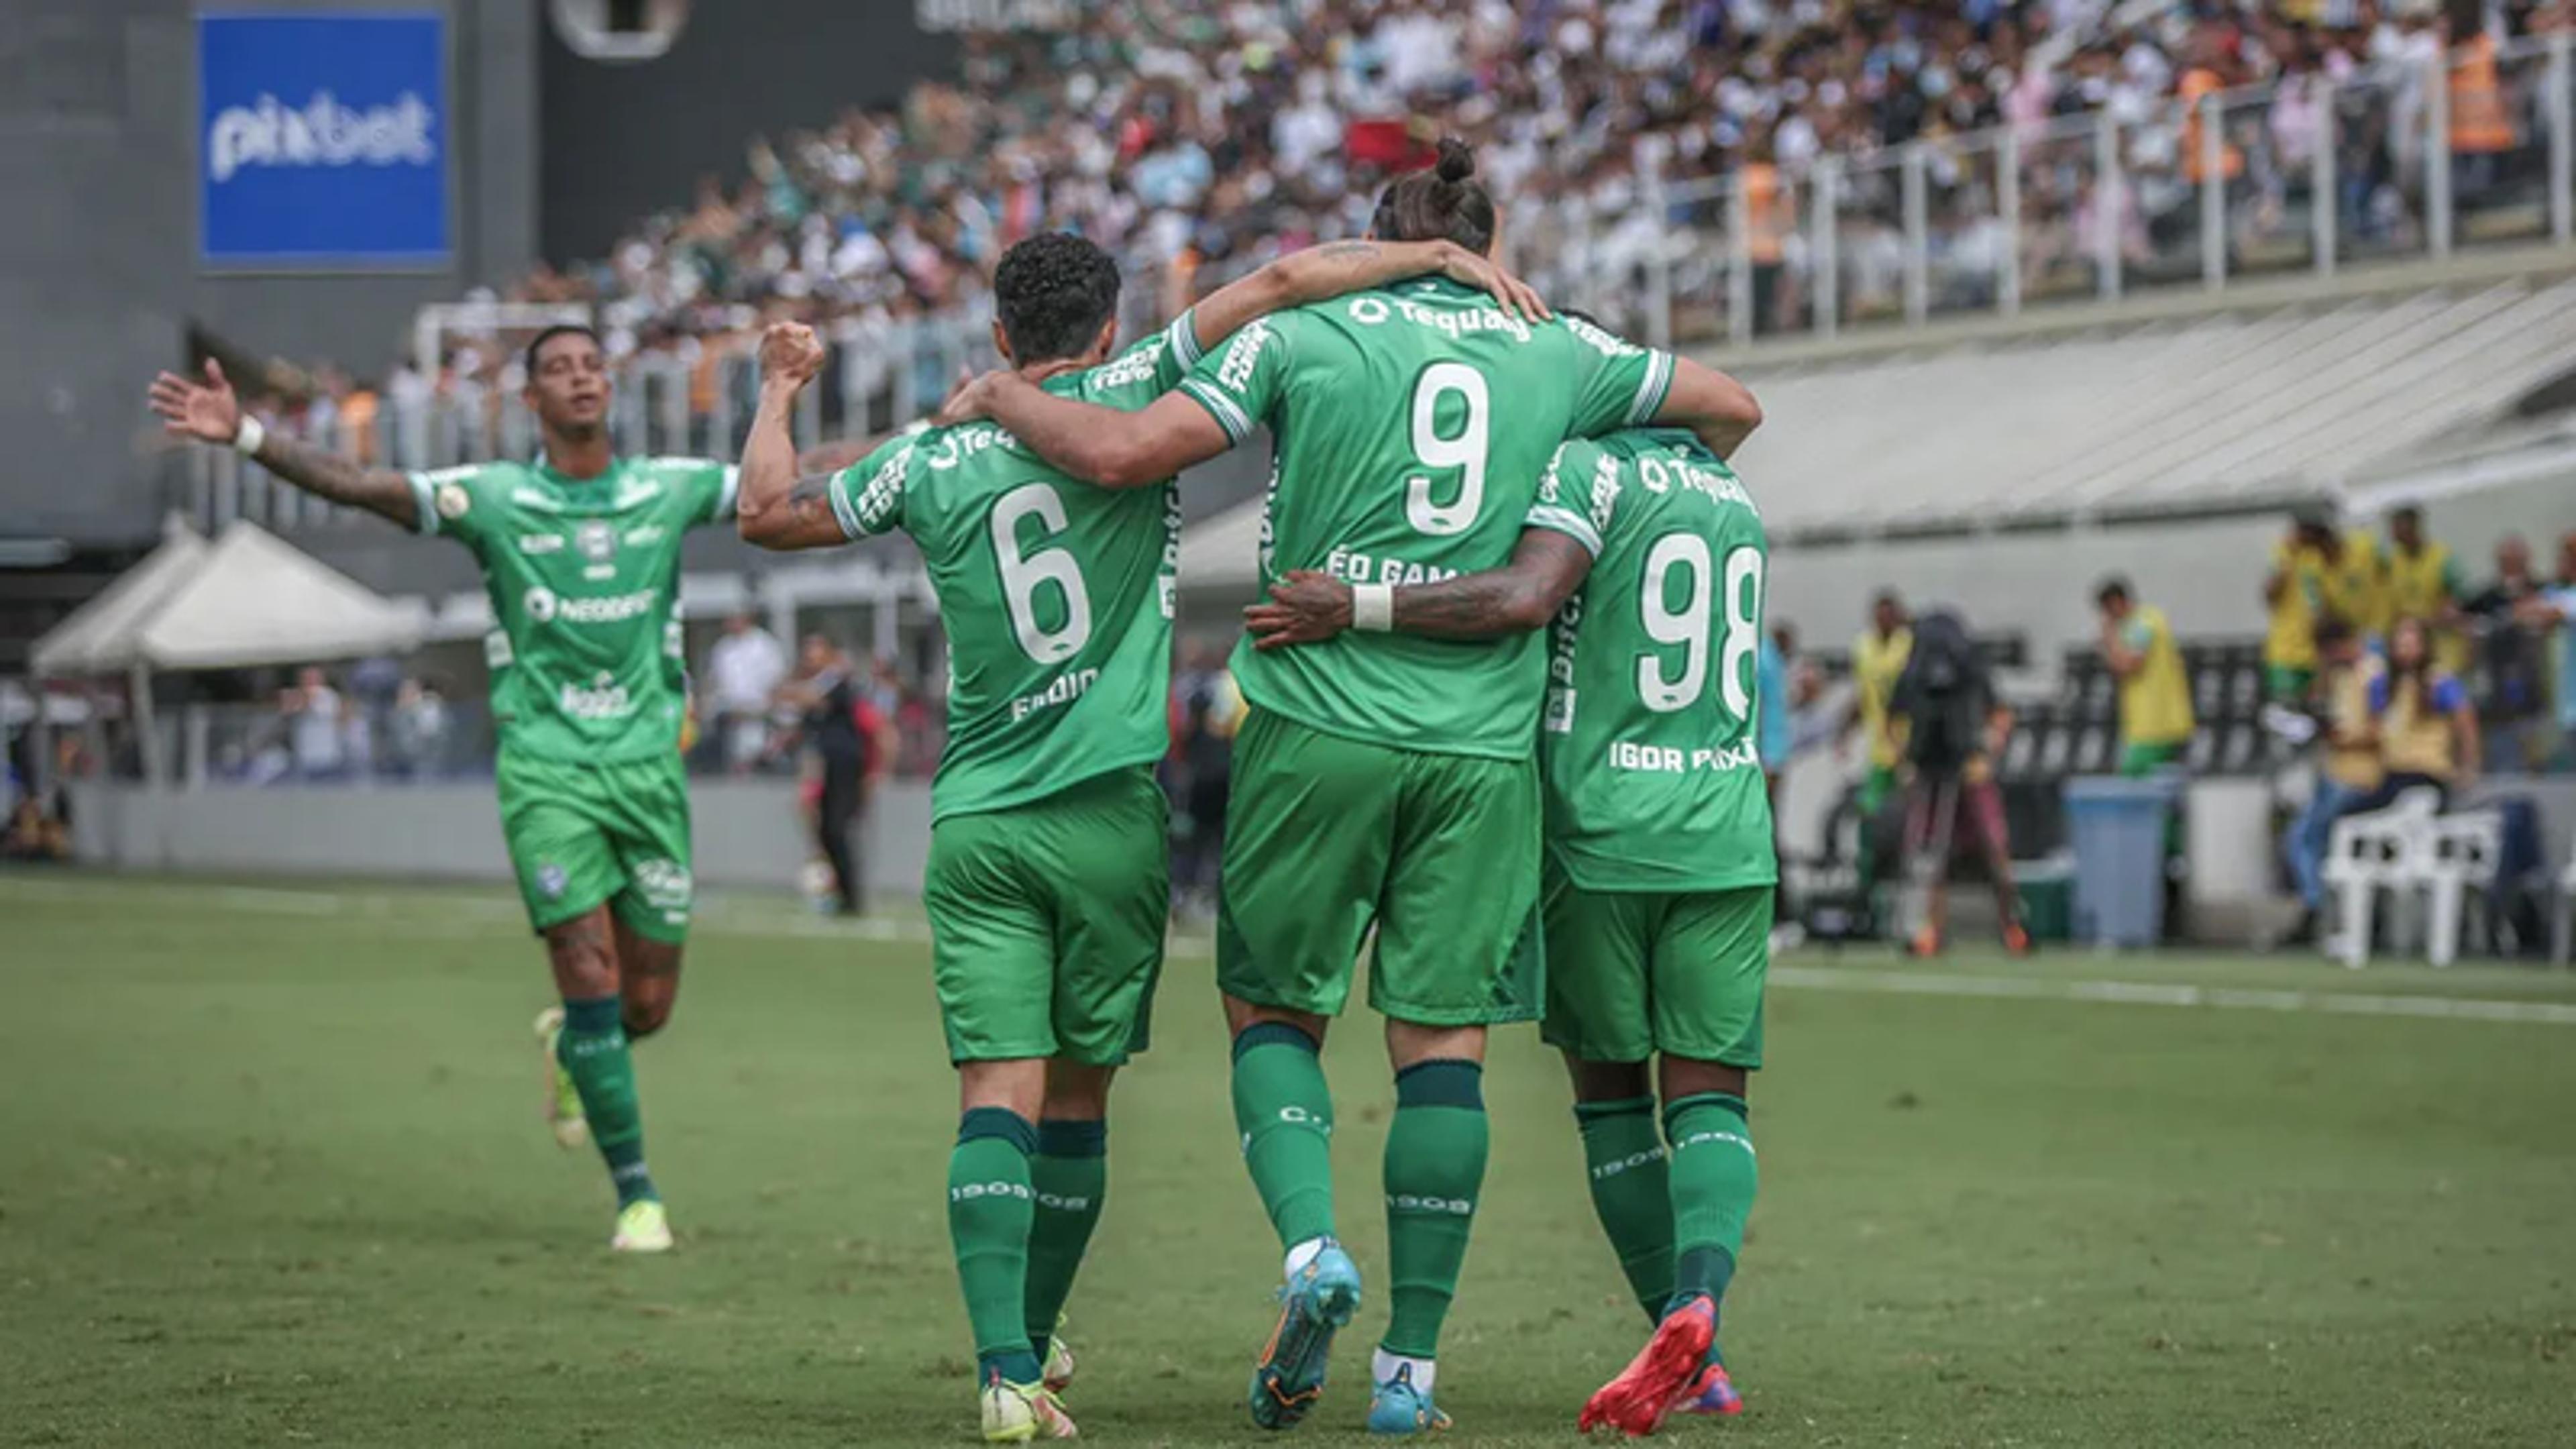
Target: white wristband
(1373, 607)
(248, 437)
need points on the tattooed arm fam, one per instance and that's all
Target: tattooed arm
(1545, 570)
(210, 413)
(775, 507)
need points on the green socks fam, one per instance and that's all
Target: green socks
(1713, 1179)
(1069, 1175)
(592, 1050)
(1435, 1164)
(1285, 1113)
(990, 1206)
(1623, 1154)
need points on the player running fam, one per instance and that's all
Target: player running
(1659, 856)
(1047, 884)
(580, 553)
(1381, 781)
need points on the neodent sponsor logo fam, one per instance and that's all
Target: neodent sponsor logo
(321, 132)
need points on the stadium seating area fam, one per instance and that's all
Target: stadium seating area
(1195, 142)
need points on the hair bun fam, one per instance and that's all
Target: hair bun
(1457, 160)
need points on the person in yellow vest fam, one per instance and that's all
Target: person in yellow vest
(2156, 720)
(2421, 580)
(2348, 766)
(1878, 658)
(2428, 730)
(2317, 573)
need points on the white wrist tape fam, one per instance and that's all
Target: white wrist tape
(248, 437)
(1373, 607)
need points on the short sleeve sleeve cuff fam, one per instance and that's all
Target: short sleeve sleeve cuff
(1182, 337)
(728, 492)
(1652, 389)
(1228, 413)
(424, 503)
(1557, 518)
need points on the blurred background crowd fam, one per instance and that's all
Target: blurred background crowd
(1197, 141)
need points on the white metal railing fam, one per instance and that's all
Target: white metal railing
(2298, 175)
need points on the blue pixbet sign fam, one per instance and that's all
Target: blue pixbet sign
(322, 140)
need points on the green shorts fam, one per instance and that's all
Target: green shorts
(581, 834)
(1326, 837)
(1046, 922)
(1633, 973)
(2137, 760)
(1877, 787)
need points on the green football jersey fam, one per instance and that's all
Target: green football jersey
(1057, 596)
(1411, 426)
(1647, 745)
(584, 578)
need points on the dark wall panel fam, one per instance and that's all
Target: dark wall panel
(99, 279)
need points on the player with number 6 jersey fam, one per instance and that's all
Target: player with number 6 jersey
(1650, 558)
(1381, 783)
(1047, 880)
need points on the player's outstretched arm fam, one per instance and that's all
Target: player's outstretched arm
(1096, 444)
(1710, 403)
(209, 413)
(1321, 273)
(1546, 568)
(777, 507)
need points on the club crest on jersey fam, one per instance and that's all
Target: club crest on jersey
(597, 540)
(453, 500)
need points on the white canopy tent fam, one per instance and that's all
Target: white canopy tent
(249, 598)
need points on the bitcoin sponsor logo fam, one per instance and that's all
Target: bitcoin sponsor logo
(453, 501)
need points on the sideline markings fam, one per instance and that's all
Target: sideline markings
(742, 919)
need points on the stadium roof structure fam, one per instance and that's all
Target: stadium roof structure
(247, 599)
(2162, 419)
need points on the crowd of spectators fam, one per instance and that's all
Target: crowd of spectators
(1197, 140)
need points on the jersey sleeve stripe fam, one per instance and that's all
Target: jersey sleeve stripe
(1183, 337)
(728, 492)
(1568, 522)
(842, 508)
(1229, 417)
(424, 504)
(1651, 389)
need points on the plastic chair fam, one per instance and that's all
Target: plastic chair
(2457, 853)
(2368, 854)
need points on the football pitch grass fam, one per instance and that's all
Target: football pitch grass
(272, 1172)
